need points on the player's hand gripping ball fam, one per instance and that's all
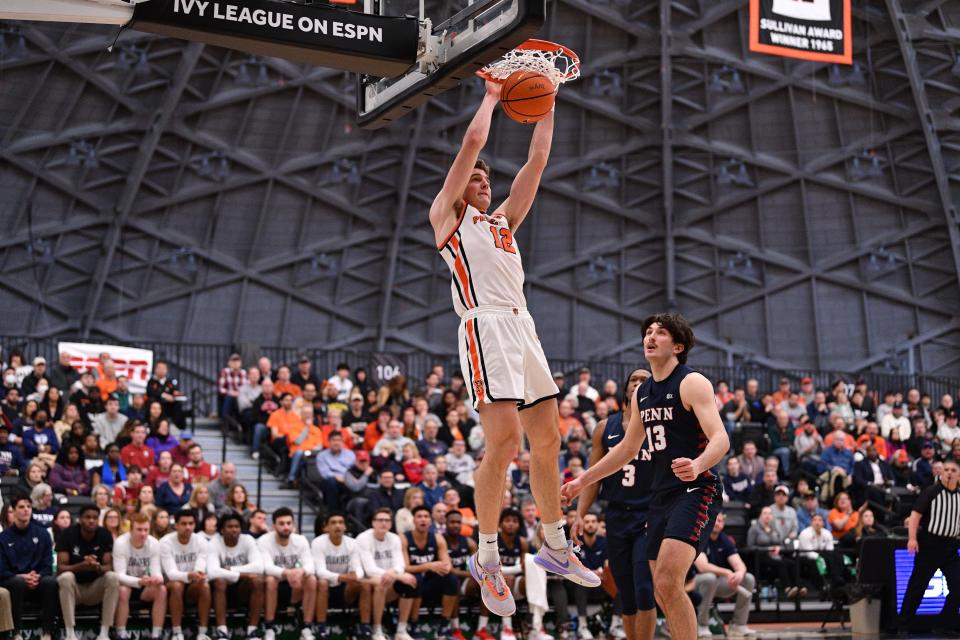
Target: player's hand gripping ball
(527, 96)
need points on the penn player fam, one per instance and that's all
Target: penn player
(627, 494)
(677, 411)
(509, 379)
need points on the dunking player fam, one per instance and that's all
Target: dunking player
(627, 493)
(675, 409)
(509, 379)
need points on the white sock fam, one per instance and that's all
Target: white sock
(455, 623)
(401, 627)
(483, 622)
(377, 628)
(489, 552)
(554, 535)
(121, 632)
(251, 629)
(71, 631)
(581, 622)
(507, 622)
(201, 630)
(177, 630)
(104, 630)
(156, 632)
(222, 629)
(537, 617)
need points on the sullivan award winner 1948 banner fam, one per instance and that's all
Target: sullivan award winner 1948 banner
(818, 30)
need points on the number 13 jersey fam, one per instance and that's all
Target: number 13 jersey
(672, 430)
(484, 262)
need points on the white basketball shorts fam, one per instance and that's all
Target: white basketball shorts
(501, 357)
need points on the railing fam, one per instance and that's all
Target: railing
(197, 366)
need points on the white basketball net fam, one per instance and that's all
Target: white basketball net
(556, 65)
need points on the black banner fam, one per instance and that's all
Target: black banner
(818, 30)
(315, 34)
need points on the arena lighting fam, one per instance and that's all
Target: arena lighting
(343, 171)
(837, 77)
(734, 171)
(185, 259)
(600, 269)
(82, 153)
(13, 46)
(882, 261)
(40, 251)
(740, 265)
(726, 80)
(606, 83)
(866, 165)
(244, 78)
(323, 264)
(214, 166)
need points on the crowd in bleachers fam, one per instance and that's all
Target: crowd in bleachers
(811, 473)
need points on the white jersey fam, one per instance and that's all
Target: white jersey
(180, 559)
(295, 555)
(484, 262)
(131, 563)
(229, 562)
(332, 561)
(379, 556)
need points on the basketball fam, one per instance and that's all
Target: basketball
(527, 96)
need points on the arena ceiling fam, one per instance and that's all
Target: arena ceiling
(802, 215)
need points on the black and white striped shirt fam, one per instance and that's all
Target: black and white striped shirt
(940, 510)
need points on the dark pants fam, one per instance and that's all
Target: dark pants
(44, 597)
(936, 552)
(783, 569)
(331, 493)
(228, 407)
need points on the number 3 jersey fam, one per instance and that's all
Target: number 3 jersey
(484, 262)
(629, 488)
(672, 431)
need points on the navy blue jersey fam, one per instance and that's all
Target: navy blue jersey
(672, 431)
(459, 552)
(594, 557)
(423, 555)
(628, 488)
(509, 555)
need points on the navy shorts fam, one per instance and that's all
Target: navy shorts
(337, 597)
(686, 514)
(430, 586)
(627, 559)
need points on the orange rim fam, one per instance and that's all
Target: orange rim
(542, 45)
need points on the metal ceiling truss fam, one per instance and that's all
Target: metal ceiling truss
(230, 198)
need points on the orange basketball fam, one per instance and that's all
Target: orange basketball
(527, 96)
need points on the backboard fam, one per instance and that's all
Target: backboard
(449, 51)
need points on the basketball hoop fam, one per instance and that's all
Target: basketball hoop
(555, 61)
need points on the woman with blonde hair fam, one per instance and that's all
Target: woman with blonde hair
(413, 464)
(411, 499)
(200, 503)
(114, 522)
(239, 501)
(160, 523)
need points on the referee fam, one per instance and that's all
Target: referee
(934, 530)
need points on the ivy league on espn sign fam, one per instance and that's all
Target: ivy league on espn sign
(818, 30)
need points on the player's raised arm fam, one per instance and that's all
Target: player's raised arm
(697, 394)
(525, 185)
(459, 175)
(620, 455)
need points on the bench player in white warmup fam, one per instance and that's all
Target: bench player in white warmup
(509, 378)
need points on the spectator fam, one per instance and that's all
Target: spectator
(124, 397)
(395, 437)
(262, 410)
(902, 469)
(809, 447)
(32, 478)
(412, 498)
(895, 420)
(750, 463)
(721, 571)
(413, 465)
(332, 465)
(238, 501)
(918, 439)
(763, 492)
(871, 477)
(247, 394)
(819, 411)
(948, 432)
(40, 441)
(839, 431)
(839, 463)
(867, 527)
(283, 384)
(842, 517)
(784, 516)
(33, 379)
(101, 495)
(43, 510)
(63, 426)
(154, 416)
(236, 571)
(582, 396)
(871, 437)
(359, 478)
(736, 484)
(198, 469)
(109, 423)
(795, 408)
(183, 555)
(451, 499)
(574, 451)
(232, 378)
(225, 481)
(342, 382)
(429, 445)
(107, 383)
(52, 402)
(923, 474)
(11, 411)
(200, 503)
(301, 440)
(12, 462)
(85, 575)
(164, 390)
(736, 410)
(126, 491)
(159, 523)
(63, 375)
(287, 559)
(69, 476)
(758, 412)
(283, 423)
(780, 433)
(335, 423)
(26, 567)
(137, 452)
(432, 490)
(815, 542)
(160, 473)
(461, 464)
(138, 408)
(386, 494)
(303, 375)
(765, 536)
(356, 418)
(112, 470)
(175, 492)
(161, 439)
(113, 522)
